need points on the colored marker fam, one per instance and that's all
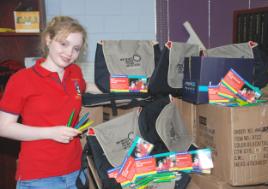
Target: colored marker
(70, 118)
(165, 179)
(144, 182)
(164, 174)
(85, 126)
(81, 121)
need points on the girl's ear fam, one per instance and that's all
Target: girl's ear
(48, 40)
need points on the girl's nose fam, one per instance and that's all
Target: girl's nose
(69, 51)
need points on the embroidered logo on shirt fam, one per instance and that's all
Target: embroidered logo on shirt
(77, 88)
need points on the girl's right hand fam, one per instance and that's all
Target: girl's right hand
(63, 134)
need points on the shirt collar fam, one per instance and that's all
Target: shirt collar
(46, 73)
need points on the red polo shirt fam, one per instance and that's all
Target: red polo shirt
(43, 100)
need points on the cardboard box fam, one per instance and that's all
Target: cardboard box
(95, 114)
(93, 175)
(212, 182)
(193, 185)
(108, 112)
(239, 140)
(199, 72)
(188, 113)
(27, 21)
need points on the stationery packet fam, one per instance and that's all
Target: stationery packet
(127, 171)
(128, 83)
(202, 160)
(214, 95)
(243, 89)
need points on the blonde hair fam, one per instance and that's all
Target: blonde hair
(59, 28)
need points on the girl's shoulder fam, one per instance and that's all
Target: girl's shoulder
(21, 73)
(75, 69)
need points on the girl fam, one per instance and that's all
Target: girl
(44, 96)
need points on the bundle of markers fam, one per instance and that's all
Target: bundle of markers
(139, 169)
(233, 90)
(82, 124)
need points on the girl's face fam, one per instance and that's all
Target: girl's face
(64, 52)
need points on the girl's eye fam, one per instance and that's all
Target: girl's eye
(77, 49)
(64, 44)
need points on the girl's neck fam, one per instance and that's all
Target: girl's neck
(49, 65)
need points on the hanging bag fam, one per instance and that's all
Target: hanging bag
(160, 123)
(168, 75)
(110, 143)
(122, 71)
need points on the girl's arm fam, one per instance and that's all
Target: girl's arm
(9, 128)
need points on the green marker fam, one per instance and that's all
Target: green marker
(144, 182)
(165, 179)
(70, 118)
(164, 174)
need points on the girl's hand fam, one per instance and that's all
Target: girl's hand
(63, 134)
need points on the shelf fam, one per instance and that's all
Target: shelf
(5, 34)
(16, 46)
